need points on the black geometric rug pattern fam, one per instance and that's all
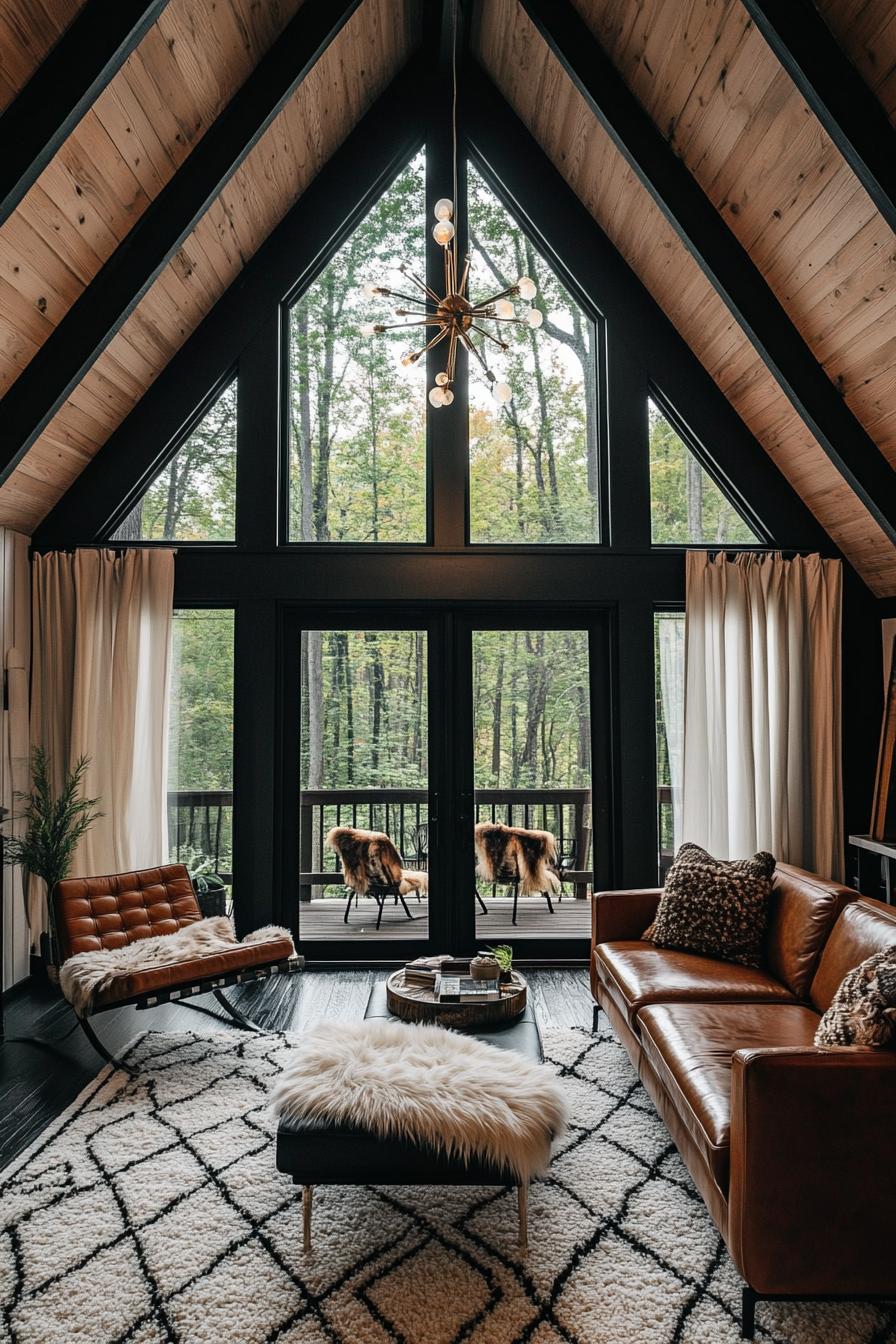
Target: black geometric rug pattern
(151, 1212)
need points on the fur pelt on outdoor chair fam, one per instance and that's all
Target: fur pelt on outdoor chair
(370, 857)
(507, 852)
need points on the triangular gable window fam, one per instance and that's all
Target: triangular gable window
(533, 460)
(687, 507)
(193, 498)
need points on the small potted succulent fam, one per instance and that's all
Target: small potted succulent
(503, 955)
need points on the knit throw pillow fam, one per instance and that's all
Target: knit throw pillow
(863, 1011)
(715, 907)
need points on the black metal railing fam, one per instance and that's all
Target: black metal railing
(200, 827)
(200, 823)
(402, 812)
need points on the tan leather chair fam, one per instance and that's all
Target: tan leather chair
(92, 913)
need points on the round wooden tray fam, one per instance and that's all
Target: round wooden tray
(416, 1003)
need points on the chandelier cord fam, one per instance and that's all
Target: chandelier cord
(454, 124)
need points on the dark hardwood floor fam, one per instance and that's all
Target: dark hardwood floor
(38, 1081)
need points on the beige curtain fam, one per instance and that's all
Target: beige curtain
(762, 765)
(102, 640)
(15, 632)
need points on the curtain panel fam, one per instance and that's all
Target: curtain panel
(762, 746)
(101, 653)
(15, 630)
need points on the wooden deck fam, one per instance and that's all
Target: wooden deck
(323, 919)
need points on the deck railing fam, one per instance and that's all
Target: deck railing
(401, 813)
(201, 824)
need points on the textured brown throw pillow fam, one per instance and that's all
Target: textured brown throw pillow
(715, 907)
(863, 1011)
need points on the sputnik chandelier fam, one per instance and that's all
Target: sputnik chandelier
(457, 319)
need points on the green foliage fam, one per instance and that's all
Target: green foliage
(357, 435)
(503, 955)
(194, 497)
(55, 823)
(533, 464)
(686, 505)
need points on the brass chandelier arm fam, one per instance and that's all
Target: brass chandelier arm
(502, 345)
(411, 275)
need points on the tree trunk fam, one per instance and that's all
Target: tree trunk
(694, 495)
(303, 428)
(324, 406)
(496, 723)
(315, 685)
(132, 527)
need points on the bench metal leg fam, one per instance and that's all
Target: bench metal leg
(239, 1018)
(307, 1199)
(522, 1198)
(595, 1018)
(101, 1049)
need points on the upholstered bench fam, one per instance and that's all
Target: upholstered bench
(319, 1152)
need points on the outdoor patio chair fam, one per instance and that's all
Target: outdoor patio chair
(519, 858)
(372, 866)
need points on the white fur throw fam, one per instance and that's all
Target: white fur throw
(450, 1092)
(86, 973)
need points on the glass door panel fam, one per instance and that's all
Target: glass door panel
(364, 785)
(532, 745)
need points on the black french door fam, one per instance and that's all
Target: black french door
(421, 723)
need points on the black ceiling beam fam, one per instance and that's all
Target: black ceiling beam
(720, 256)
(289, 260)
(639, 332)
(836, 93)
(115, 291)
(75, 72)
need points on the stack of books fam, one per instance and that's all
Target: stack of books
(464, 989)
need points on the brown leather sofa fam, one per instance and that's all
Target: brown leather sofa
(790, 1146)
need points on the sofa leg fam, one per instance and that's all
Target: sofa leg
(307, 1199)
(595, 1018)
(749, 1299)
(522, 1199)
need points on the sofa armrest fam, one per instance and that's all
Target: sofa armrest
(618, 915)
(812, 1174)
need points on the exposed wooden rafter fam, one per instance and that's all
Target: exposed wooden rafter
(97, 315)
(720, 256)
(836, 93)
(61, 90)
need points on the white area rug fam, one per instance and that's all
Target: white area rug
(151, 1211)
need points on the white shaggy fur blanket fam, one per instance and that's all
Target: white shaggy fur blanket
(86, 973)
(450, 1092)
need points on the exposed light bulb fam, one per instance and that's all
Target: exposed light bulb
(502, 392)
(437, 396)
(503, 308)
(444, 208)
(409, 358)
(526, 288)
(442, 379)
(447, 397)
(370, 290)
(443, 232)
(369, 329)
(535, 317)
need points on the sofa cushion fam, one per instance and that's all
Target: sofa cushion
(638, 973)
(242, 957)
(802, 911)
(715, 907)
(864, 927)
(689, 1047)
(863, 1011)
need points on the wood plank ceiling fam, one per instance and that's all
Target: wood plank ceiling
(121, 155)
(715, 90)
(27, 32)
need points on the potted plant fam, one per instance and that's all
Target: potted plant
(210, 888)
(503, 955)
(54, 827)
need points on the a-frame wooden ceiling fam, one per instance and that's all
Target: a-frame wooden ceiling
(700, 68)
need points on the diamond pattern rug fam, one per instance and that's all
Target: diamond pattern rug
(151, 1211)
